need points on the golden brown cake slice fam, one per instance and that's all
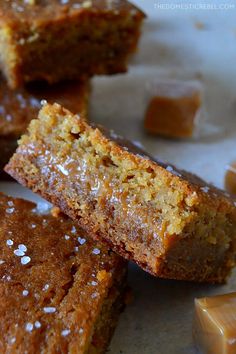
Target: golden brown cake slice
(169, 222)
(17, 108)
(60, 291)
(54, 40)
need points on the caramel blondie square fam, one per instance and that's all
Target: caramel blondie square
(54, 40)
(17, 108)
(60, 291)
(169, 222)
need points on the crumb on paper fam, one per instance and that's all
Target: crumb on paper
(199, 25)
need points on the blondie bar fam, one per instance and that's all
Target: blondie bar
(169, 222)
(60, 291)
(53, 40)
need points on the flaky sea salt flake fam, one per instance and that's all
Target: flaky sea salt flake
(9, 242)
(19, 253)
(49, 309)
(25, 260)
(96, 251)
(22, 247)
(65, 332)
(46, 287)
(29, 327)
(73, 230)
(205, 189)
(25, 292)
(81, 240)
(37, 324)
(10, 210)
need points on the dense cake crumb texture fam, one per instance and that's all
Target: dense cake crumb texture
(98, 38)
(172, 223)
(18, 107)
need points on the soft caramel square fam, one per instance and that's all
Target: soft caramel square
(173, 109)
(214, 328)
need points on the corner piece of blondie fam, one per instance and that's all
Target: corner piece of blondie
(171, 223)
(60, 291)
(18, 107)
(54, 40)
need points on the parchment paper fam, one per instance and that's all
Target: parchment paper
(178, 44)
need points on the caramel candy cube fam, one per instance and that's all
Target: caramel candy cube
(173, 109)
(230, 178)
(214, 328)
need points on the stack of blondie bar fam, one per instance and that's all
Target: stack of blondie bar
(60, 291)
(50, 49)
(63, 275)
